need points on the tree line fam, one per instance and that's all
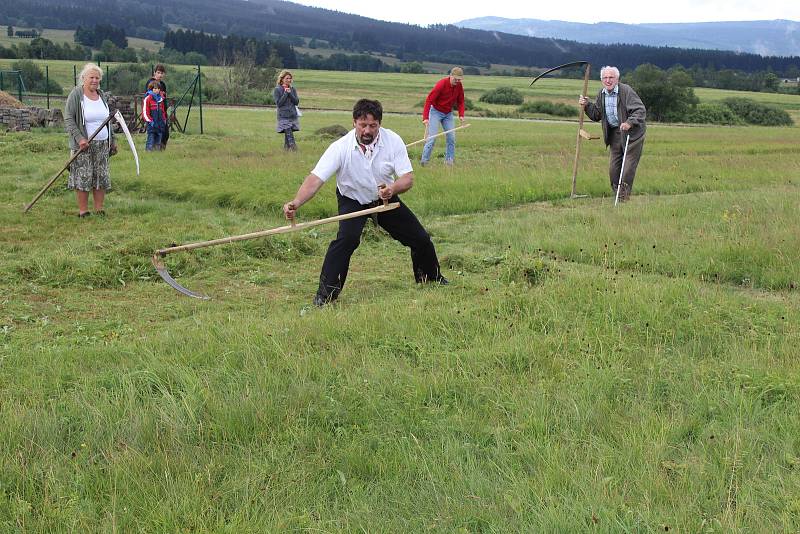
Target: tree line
(265, 19)
(95, 36)
(221, 50)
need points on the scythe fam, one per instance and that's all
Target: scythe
(159, 255)
(581, 132)
(118, 117)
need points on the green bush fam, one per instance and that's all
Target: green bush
(753, 112)
(412, 67)
(503, 95)
(715, 113)
(127, 79)
(34, 79)
(549, 108)
(469, 105)
(258, 96)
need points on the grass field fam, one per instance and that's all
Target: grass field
(68, 36)
(587, 369)
(405, 93)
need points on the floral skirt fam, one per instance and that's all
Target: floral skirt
(90, 169)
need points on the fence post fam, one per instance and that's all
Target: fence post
(200, 93)
(19, 85)
(1, 80)
(74, 75)
(47, 83)
(108, 87)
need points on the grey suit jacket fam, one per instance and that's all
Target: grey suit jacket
(630, 109)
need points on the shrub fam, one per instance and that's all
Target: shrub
(549, 108)
(668, 96)
(127, 79)
(34, 79)
(469, 105)
(715, 113)
(413, 67)
(503, 95)
(753, 112)
(258, 96)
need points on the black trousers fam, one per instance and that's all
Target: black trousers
(165, 137)
(400, 223)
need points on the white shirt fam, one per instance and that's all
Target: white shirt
(94, 113)
(357, 174)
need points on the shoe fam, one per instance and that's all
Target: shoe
(423, 163)
(321, 300)
(443, 281)
(624, 193)
(100, 213)
(85, 214)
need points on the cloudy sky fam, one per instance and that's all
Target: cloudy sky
(424, 12)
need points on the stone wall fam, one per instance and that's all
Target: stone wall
(46, 118)
(125, 106)
(23, 119)
(16, 120)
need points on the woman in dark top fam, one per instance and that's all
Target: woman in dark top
(286, 101)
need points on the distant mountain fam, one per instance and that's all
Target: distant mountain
(762, 37)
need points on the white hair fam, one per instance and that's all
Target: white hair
(613, 70)
(89, 67)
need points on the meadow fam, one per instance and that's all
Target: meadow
(589, 368)
(68, 36)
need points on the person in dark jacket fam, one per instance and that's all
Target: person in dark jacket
(622, 114)
(286, 102)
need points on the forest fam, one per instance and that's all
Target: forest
(285, 21)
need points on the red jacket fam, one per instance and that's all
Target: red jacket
(151, 108)
(444, 97)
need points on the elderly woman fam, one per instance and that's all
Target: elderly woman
(86, 109)
(286, 101)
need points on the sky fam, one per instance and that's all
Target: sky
(424, 12)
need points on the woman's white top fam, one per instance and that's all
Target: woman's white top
(94, 113)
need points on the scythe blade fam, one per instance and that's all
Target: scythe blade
(164, 274)
(124, 126)
(564, 66)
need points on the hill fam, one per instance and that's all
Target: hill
(762, 37)
(299, 25)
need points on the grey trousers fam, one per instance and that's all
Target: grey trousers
(616, 149)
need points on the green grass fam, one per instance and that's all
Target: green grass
(588, 368)
(405, 93)
(68, 36)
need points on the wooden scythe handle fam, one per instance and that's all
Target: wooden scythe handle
(280, 230)
(580, 129)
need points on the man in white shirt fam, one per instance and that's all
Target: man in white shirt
(365, 159)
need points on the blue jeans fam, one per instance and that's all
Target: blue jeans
(447, 121)
(155, 133)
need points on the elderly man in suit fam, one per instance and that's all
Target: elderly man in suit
(622, 114)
